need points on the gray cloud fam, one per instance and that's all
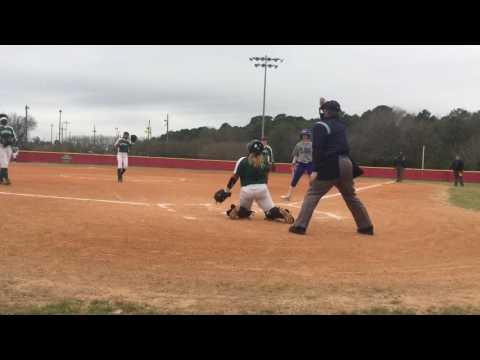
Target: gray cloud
(125, 86)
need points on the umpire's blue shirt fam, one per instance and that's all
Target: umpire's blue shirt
(329, 141)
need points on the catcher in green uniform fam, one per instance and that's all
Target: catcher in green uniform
(252, 170)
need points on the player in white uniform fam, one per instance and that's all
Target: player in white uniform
(7, 140)
(122, 145)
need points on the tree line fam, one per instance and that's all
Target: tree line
(376, 137)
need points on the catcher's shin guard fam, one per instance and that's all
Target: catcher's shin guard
(279, 213)
(238, 212)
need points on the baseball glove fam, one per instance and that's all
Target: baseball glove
(221, 195)
(133, 138)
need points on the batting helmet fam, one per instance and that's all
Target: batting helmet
(307, 132)
(331, 105)
(256, 147)
(3, 119)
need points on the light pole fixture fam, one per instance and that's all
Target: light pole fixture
(265, 62)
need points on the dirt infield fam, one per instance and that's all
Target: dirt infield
(72, 232)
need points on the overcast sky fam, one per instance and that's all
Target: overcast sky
(125, 86)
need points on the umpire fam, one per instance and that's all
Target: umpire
(457, 167)
(400, 163)
(332, 166)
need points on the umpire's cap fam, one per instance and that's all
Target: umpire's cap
(3, 119)
(331, 105)
(256, 147)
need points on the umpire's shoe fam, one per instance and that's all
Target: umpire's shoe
(297, 230)
(366, 231)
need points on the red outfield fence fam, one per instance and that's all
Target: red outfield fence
(202, 164)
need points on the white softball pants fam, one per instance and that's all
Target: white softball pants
(5, 155)
(258, 193)
(122, 160)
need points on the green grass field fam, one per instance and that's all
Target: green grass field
(102, 307)
(467, 197)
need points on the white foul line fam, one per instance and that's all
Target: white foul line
(297, 203)
(77, 199)
(360, 189)
(190, 217)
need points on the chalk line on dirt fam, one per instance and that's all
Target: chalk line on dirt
(134, 203)
(190, 217)
(167, 206)
(297, 204)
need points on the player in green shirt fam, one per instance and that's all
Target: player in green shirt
(123, 145)
(7, 140)
(252, 170)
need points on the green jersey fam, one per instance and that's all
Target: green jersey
(7, 135)
(249, 174)
(123, 145)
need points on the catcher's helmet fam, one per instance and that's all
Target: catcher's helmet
(307, 132)
(331, 105)
(255, 147)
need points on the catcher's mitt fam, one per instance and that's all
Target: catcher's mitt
(221, 195)
(133, 138)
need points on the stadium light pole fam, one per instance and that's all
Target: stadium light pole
(423, 157)
(65, 130)
(26, 123)
(60, 127)
(265, 63)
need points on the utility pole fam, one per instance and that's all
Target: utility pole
(26, 123)
(265, 63)
(166, 124)
(60, 127)
(51, 133)
(116, 130)
(94, 134)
